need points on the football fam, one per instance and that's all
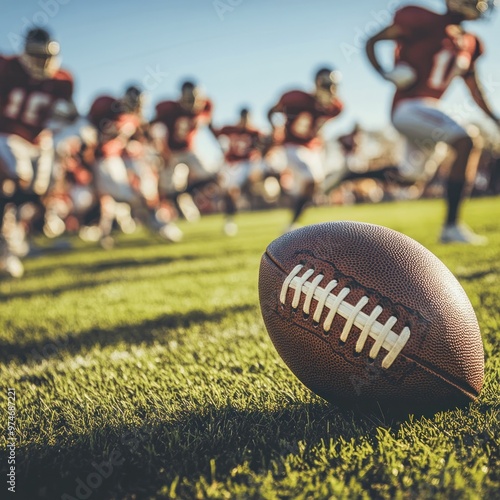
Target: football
(365, 316)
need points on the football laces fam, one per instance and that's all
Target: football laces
(383, 334)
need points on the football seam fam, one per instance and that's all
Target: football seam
(434, 371)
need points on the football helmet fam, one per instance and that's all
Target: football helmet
(471, 9)
(40, 55)
(190, 94)
(133, 99)
(193, 97)
(326, 80)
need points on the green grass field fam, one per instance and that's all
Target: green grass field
(146, 372)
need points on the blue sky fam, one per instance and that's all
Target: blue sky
(242, 51)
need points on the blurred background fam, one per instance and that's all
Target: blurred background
(243, 52)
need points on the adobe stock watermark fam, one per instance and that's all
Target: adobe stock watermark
(463, 110)
(153, 78)
(85, 488)
(47, 11)
(379, 20)
(11, 440)
(93, 481)
(223, 7)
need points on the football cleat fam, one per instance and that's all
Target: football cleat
(188, 207)
(10, 264)
(170, 232)
(230, 228)
(90, 234)
(40, 54)
(107, 242)
(471, 9)
(461, 234)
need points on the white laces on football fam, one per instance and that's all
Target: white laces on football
(383, 335)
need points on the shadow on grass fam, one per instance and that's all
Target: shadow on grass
(110, 265)
(152, 455)
(148, 331)
(55, 291)
(478, 274)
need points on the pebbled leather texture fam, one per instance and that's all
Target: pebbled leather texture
(441, 365)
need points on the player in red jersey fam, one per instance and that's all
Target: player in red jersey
(174, 128)
(431, 50)
(305, 113)
(242, 158)
(34, 91)
(118, 182)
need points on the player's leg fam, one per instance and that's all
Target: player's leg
(10, 264)
(199, 179)
(306, 167)
(232, 179)
(424, 125)
(15, 160)
(112, 187)
(180, 181)
(462, 172)
(168, 186)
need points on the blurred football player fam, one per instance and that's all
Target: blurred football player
(304, 114)
(431, 50)
(242, 160)
(140, 155)
(33, 92)
(117, 121)
(174, 128)
(349, 144)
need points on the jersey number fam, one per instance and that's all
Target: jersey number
(26, 107)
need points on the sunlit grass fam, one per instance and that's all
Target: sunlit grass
(147, 371)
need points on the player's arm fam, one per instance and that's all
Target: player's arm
(402, 76)
(475, 87)
(391, 33)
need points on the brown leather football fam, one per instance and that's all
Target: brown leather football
(366, 316)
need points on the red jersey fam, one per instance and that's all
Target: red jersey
(305, 116)
(180, 122)
(25, 102)
(115, 125)
(437, 48)
(242, 142)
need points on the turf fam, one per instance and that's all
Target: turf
(146, 372)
